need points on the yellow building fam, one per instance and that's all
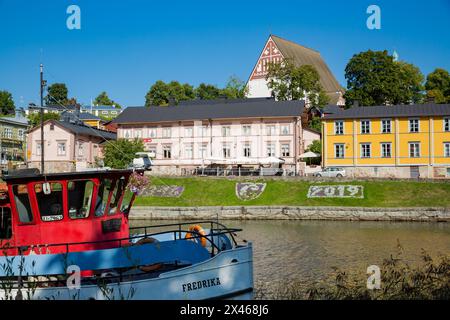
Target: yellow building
(388, 141)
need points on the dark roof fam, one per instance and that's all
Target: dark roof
(415, 110)
(250, 108)
(87, 130)
(223, 101)
(330, 109)
(301, 55)
(88, 116)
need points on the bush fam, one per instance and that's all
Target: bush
(119, 154)
(399, 281)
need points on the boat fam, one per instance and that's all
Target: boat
(67, 236)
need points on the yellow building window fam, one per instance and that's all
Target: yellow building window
(414, 149)
(386, 126)
(447, 149)
(339, 150)
(414, 125)
(339, 127)
(365, 126)
(365, 150)
(386, 150)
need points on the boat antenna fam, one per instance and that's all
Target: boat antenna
(42, 86)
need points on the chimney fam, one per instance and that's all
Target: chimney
(355, 103)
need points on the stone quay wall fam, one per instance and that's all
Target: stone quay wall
(291, 213)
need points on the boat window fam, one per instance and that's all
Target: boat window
(115, 197)
(80, 197)
(5, 223)
(22, 203)
(126, 201)
(50, 205)
(102, 197)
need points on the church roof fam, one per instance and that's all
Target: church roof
(305, 56)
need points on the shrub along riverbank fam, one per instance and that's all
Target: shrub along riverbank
(292, 192)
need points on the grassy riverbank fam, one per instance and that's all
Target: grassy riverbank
(221, 192)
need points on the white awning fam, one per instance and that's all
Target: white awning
(309, 154)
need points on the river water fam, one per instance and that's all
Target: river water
(306, 251)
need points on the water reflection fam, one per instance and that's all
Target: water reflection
(307, 250)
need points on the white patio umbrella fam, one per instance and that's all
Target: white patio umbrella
(309, 155)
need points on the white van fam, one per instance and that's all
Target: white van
(142, 161)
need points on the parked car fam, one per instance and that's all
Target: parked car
(142, 161)
(331, 172)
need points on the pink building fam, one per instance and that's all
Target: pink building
(201, 133)
(67, 146)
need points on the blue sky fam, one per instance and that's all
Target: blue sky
(125, 46)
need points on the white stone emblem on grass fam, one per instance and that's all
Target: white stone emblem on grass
(336, 191)
(249, 191)
(163, 191)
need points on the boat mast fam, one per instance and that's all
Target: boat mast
(42, 117)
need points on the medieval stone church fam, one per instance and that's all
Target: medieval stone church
(275, 50)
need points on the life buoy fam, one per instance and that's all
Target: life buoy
(151, 267)
(199, 231)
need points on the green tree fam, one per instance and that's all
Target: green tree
(6, 102)
(119, 154)
(290, 82)
(316, 124)
(316, 147)
(57, 94)
(374, 78)
(234, 89)
(104, 100)
(438, 86)
(161, 93)
(207, 92)
(35, 118)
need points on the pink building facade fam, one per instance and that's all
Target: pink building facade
(241, 132)
(67, 146)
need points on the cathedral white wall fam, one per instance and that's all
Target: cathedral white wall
(258, 89)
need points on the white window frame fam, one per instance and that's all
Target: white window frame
(204, 131)
(410, 121)
(137, 133)
(247, 150)
(382, 126)
(415, 155)
(58, 151)
(285, 129)
(270, 149)
(203, 150)
(447, 149)
(271, 130)
(363, 154)
(166, 132)
(285, 150)
(152, 132)
(369, 127)
(339, 124)
(38, 148)
(188, 132)
(189, 151)
(127, 133)
(246, 130)
(446, 123)
(169, 149)
(383, 153)
(80, 149)
(226, 150)
(226, 131)
(337, 152)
